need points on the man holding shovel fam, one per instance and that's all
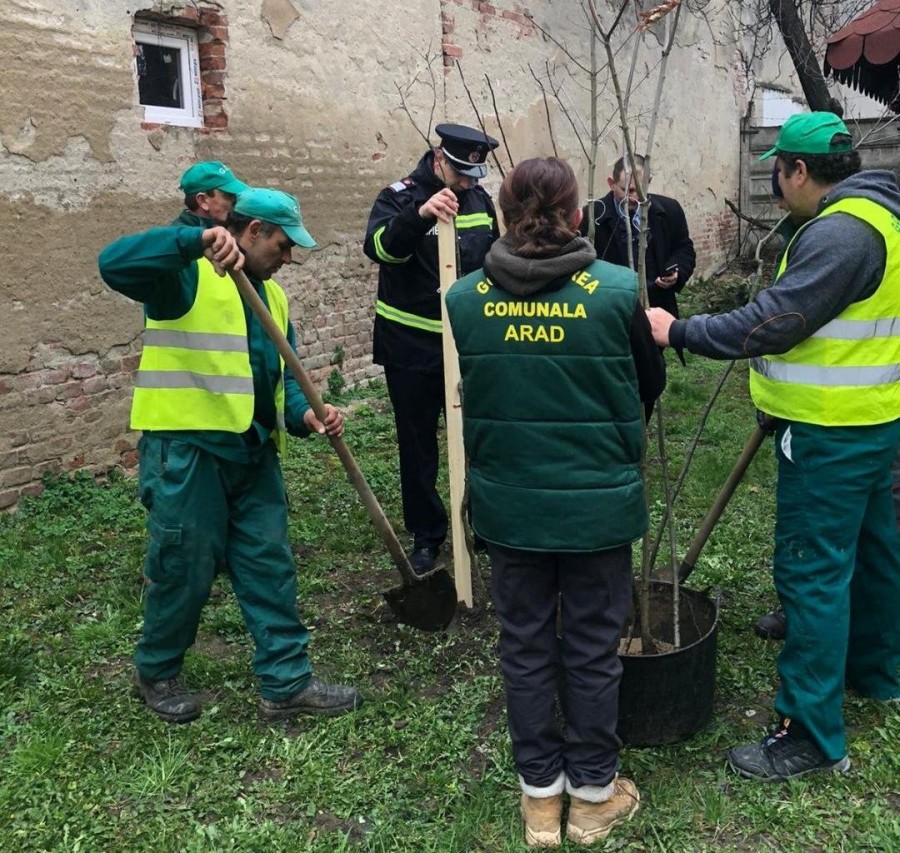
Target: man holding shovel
(401, 238)
(215, 405)
(824, 344)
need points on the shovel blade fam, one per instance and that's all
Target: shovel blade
(428, 604)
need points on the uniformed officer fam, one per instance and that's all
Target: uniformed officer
(210, 191)
(401, 238)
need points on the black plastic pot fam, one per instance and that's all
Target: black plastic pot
(669, 697)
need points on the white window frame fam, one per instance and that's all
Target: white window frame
(184, 40)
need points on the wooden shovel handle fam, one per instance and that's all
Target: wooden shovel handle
(721, 501)
(354, 474)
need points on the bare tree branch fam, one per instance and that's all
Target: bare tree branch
(478, 115)
(546, 110)
(509, 155)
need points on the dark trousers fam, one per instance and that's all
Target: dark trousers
(418, 400)
(593, 591)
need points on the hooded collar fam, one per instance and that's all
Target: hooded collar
(523, 276)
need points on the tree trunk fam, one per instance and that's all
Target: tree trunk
(797, 42)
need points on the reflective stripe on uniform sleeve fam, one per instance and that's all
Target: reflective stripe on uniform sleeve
(384, 256)
(406, 319)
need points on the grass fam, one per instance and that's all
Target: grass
(425, 765)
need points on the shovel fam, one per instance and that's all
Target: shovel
(721, 501)
(427, 603)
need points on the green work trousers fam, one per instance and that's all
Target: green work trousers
(206, 513)
(837, 572)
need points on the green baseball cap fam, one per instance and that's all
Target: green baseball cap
(211, 175)
(278, 208)
(811, 133)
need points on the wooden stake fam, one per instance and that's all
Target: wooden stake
(456, 457)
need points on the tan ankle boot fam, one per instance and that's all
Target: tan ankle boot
(543, 818)
(589, 822)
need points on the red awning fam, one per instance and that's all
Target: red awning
(865, 54)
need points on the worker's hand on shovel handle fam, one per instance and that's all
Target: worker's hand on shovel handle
(333, 424)
(221, 248)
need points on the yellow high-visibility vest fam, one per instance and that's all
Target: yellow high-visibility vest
(195, 370)
(848, 372)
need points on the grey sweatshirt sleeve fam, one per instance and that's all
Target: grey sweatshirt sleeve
(835, 261)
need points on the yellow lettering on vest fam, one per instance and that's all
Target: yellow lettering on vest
(582, 278)
(489, 309)
(580, 313)
(482, 287)
(515, 309)
(510, 333)
(526, 333)
(590, 288)
(540, 335)
(557, 333)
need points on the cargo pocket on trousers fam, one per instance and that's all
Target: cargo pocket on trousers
(166, 560)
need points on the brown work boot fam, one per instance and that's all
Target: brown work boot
(543, 819)
(327, 700)
(168, 698)
(589, 822)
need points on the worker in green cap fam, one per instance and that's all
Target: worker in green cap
(215, 405)
(824, 349)
(210, 191)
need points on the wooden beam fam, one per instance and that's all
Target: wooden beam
(456, 456)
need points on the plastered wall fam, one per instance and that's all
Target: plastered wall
(310, 105)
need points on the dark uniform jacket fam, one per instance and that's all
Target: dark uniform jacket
(408, 311)
(668, 242)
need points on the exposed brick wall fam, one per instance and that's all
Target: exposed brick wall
(714, 237)
(70, 412)
(515, 23)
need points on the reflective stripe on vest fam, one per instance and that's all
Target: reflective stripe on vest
(195, 371)
(195, 340)
(848, 372)
(382, 309)
(383, 255)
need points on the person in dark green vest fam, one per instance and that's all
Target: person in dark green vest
(210, 191)
(556, 356)
(215, 405)
(824, 349)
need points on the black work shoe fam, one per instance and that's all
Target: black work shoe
(772, 626)
(422, 561)
(168, 698)
(328, 700)
(788, 753)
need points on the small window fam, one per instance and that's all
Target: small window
(777, 107)
(167, 65)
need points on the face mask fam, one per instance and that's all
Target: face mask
(776, 189)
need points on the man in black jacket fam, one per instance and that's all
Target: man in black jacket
(670, 252)
(401, 238)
